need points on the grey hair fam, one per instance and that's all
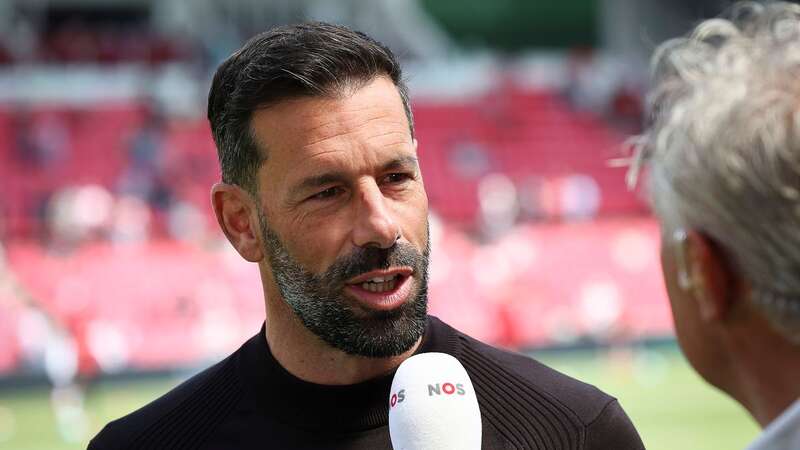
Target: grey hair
(723, 147)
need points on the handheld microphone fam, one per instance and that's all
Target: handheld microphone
(432, 405)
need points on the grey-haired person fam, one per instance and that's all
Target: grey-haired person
(722, 159)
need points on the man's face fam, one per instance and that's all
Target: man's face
(343, 215)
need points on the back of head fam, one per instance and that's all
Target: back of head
(723, 148)
(288, 62)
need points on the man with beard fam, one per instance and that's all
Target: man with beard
(322, 189)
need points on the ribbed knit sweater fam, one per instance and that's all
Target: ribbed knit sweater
(249, 401)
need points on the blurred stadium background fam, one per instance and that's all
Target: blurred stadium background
(115, 282)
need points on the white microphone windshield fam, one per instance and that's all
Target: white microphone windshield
(432, 405)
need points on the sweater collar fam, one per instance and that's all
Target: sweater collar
(311, 406)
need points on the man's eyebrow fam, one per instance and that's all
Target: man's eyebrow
(402, 162)
(318, 181)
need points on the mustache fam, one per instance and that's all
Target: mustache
(366, 259)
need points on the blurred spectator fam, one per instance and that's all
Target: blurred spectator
(581, 89)
(580, 197)
(33, 330)
(185, 222)
(76, 214)
(146, 148)
(145, 175)
(131, 221)
(499, 205)
(42, 141)
(469, 158)
(530, 193)
(66, 397)
(107, 346)
(626, 109)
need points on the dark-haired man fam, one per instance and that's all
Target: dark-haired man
(322, 189)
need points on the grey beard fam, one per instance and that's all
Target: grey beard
(321, 305)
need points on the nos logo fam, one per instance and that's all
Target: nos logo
(433, 389)
(397, 398)
(446, 388)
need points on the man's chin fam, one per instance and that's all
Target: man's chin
(383, 333)
(386, 339)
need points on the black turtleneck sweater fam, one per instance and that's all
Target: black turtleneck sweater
(249, 401)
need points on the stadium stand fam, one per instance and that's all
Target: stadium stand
(103, 281)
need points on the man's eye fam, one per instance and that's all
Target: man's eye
(326, 194)
(396, 178)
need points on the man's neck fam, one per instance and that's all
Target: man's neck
(308, 358)
(766, 380)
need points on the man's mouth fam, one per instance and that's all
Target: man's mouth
(382, 289)
(381, 284)
(381, 277)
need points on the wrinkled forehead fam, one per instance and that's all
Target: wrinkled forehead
(352, 133)
(287, 128)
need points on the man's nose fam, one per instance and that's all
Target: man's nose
(375, 225)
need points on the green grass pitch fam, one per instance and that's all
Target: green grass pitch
(670, 405)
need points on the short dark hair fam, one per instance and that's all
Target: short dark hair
(303, 60)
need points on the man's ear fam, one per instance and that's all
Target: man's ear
(234, 209)
(710, 277)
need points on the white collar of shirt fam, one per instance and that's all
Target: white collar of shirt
(782, 433)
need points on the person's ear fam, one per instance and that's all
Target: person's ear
(234, 209)
(709, 277)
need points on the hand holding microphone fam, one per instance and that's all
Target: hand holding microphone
(432, 405)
